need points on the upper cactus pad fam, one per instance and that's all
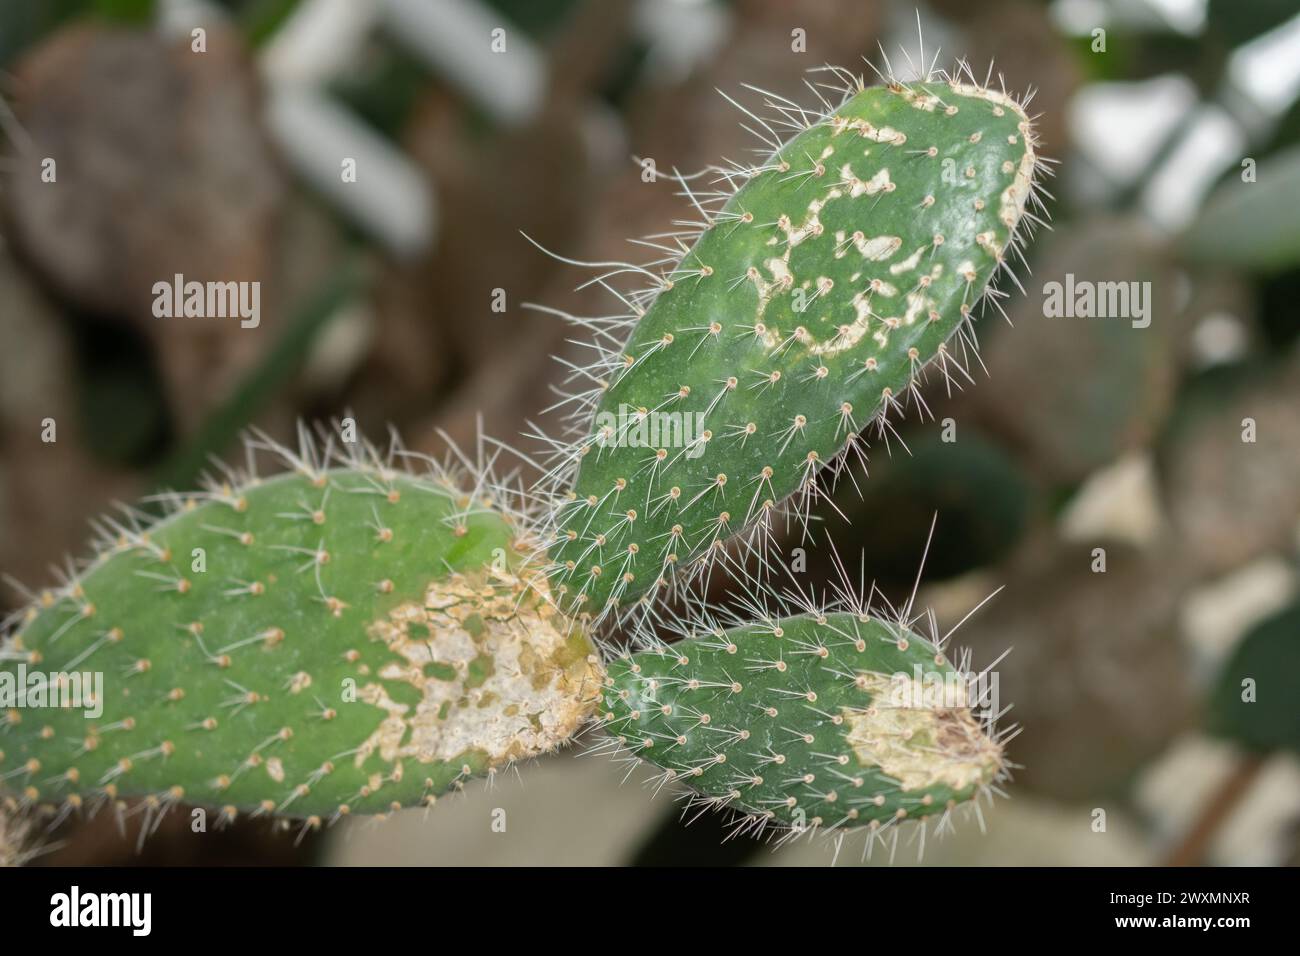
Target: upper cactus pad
(807, 306)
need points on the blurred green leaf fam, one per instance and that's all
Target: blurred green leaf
(1237, 21)
(1115, 64)
(262, 18)
(1269, 657)
(126, 11)
(383, 87)
(259, 19)
(1278, 317)
(24, 22)
(538, 18)
(1206, 393)
(983, 499)
(123, 410)
(1251, 225)
(1287, 131)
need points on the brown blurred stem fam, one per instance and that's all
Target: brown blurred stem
(1191, 850)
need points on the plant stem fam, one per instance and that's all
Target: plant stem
(1190, 851)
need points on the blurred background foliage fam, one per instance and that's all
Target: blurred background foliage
(1178, 132)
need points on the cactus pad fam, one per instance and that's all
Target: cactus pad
(323, 642)
(805, 309)
(805, 722)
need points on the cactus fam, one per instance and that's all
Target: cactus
(809, 304)
(815, 720)
(331, 640)
(351, 637)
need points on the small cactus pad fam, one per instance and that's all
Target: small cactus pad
(835, 720)
(347, 640)
(809, 304)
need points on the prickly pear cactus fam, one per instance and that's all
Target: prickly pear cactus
(328, 641)
(805, 309)
(811, 721)
(349, 637)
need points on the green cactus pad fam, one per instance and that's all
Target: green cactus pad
(348, 640)
(804, 311)
(805, 722)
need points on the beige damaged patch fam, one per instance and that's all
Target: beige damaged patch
(11, 839)
(883, 134)
(499, 670)
(921, 744)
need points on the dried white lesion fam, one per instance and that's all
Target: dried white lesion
(871, 248)
(925, 743)
(867, 130)
(911, 262)
(876, 248)
(920, 99)
(878, 183)
(501, 672)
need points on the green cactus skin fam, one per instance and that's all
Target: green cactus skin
(805, 310)
(360, 640)
(794, 721)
